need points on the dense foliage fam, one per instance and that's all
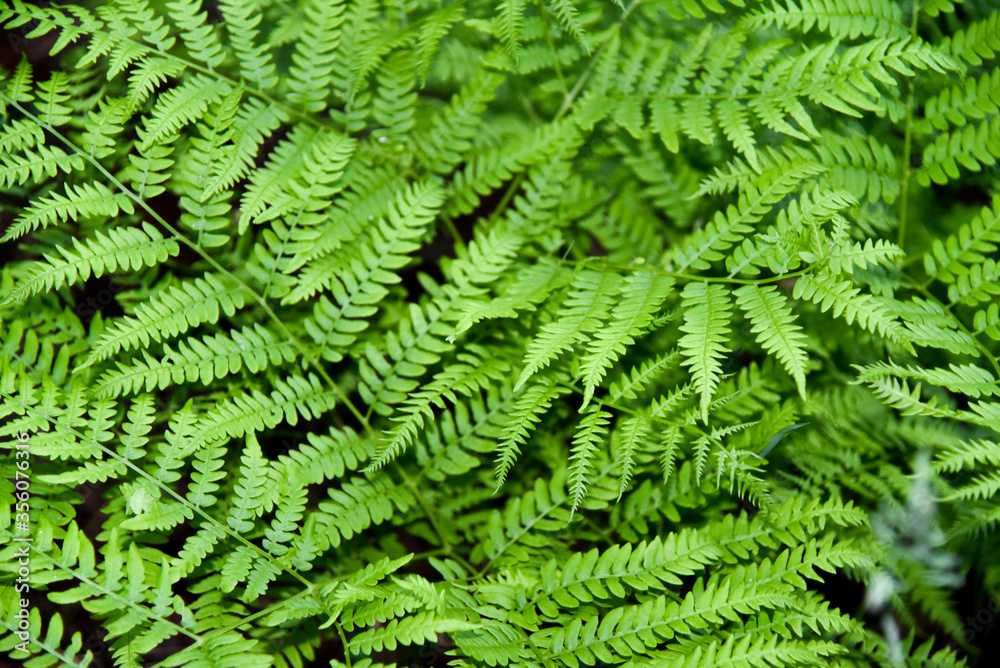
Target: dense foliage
(533, 333)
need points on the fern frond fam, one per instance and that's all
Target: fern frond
(846, 302)
(751, 651)
(355, 506)
(312, 61)
(250, 490)
(509, 24)
(416, 629)
(18, 89)
(199, 36)
(174, 311)
(181, 106)
(706, 322)
(957, 106)
(634, 630)
(705, 245)
(26, 164)
(252, 125)
(528, 410)
(202, 361)
(983, 486)
(444, 144)
(951, 258)
(471, 373)
(222, 649)
(897, 393)
(51, 98)
(46, 645)
(975, 42)
(639, 378)
(585, 308)
(843, 19)
(969, 454)
(965, 379)
(973, 147)
(269, 185)
(538, 511)
(256, 63)
(642, 295)
(569, 17)
(929, 324)
(83, 201)
(326, 456)
(254, 411)
(648, 567)
(843, 259)
(634, 432)
(775, 327)
(590, 433)
(433, 29)
(127, 248)
(360, 287)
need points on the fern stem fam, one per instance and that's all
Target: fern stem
(431, 517)
(904, 195)
(343, 639)
(453, 231)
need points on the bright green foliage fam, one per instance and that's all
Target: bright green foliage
(706, 323)
(548, 332)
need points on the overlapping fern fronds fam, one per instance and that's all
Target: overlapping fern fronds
(578, 333)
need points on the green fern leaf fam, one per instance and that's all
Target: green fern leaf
(82, 201)
(312, 61)
(774, 326)
(198, 33)
(201, 361)
(846, 302)
(706, 322)
(590, 433)
(417, 629)
(588, 304)
(172, 312)
(643, 294)
(528, 410)
(180, 106)
(250, 490)
(128, 248)
(634, 432)
(254, 411)
(256, 63)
